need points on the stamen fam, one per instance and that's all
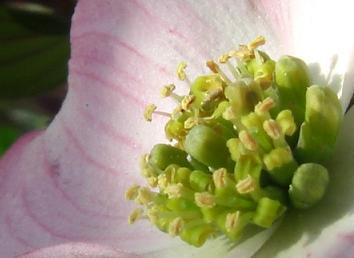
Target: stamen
(132, 192)
(272, 128)
(232, 69)
(243, 53)
(264, 106)
(135, 215)
(258, 41)
(174, 191)
(175, 227)
(204, 200)
(224, 58)
(145, 196)
(181, 73)
(232, 220)
(187, 102)
(220, 177)
(247, 140)
(246, 185)
(216, 69)
(149, 110)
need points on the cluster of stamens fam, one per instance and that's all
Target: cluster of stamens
(229, 163)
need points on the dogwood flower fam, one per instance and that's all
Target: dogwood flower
(62, 189)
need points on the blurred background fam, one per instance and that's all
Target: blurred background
(34, 51)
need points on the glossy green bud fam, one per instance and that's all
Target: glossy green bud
(319, 132)
(163, 155)
(308, 185)
(292, 79)
(207, 146)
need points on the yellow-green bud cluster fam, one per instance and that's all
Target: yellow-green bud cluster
(243, 150)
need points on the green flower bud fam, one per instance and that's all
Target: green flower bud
(292, 79)
(206, 146)
(319, 132)
(308, 185)
(163, 155)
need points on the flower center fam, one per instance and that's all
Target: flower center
(243, 149)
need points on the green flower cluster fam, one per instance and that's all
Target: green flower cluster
(244, 149)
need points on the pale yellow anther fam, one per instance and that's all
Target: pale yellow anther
(152, 181)
(264, 106)
(247, 140)
(246, 185)
(223, 58)
(175, 227)
(243, 52)
(204, 200)
(149, 110)
(272, 128)
(174, 191)
(144, 196)
(167, 90)
(212, 66)
(232, 221)
(132, 192)
(181, 73)
(258, 41)
(135, 215)
(220, 177)
(187, 102)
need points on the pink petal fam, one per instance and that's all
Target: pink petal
(77, 250)
(66, 184)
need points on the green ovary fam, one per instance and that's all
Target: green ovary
(242, 151)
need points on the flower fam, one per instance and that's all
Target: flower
(62, 189)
